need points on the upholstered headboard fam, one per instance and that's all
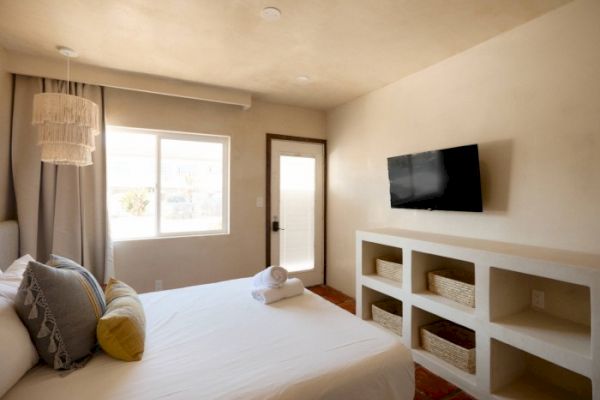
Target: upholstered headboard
(9, 243)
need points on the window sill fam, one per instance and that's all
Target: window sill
(172, 236)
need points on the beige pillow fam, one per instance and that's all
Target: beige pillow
(121, 331)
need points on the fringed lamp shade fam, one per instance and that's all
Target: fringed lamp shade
(67, 126)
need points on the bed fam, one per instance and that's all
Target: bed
(215, 342)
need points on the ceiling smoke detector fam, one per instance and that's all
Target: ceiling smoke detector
(302, 79)
(67, 52)
(270, 14)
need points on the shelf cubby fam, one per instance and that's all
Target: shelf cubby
(422, 263)
(420, 318)
(369, 297)
(563, 322)
(372, 251)
(517, 374)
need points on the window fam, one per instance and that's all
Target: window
(166, 184)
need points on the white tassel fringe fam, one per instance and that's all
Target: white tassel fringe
(67, 126)
(60, 108)
(66, 154)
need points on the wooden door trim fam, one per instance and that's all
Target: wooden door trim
(270, 138)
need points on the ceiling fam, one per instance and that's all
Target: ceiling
(346, 47)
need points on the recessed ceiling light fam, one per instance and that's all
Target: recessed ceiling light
(270, 14)
(303, 79)
(67, 52)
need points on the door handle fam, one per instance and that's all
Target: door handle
(275, 226)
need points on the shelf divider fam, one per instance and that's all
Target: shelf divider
(446, 308)
(383, 285)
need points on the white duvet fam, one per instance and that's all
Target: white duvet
(216, 342)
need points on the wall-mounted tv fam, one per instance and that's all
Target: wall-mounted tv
(446, 179)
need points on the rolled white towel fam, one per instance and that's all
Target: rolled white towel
(292, 287)
(272, 277)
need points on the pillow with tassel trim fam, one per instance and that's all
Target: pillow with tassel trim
(60, 307)
(122, 330)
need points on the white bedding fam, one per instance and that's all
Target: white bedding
(216, 342)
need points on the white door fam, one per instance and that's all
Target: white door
(298, 209)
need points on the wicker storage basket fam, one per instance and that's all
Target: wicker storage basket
(389, 269)
(456, 285)
(388, 313)
(450, 342)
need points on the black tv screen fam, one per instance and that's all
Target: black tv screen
(445, 179)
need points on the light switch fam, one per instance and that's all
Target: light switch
(260, 202)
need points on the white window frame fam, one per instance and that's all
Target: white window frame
(189, 136)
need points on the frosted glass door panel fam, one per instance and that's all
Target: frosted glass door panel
(297, 212)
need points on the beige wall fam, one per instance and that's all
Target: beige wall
(529, 97)
(7, 210)
(187, 261)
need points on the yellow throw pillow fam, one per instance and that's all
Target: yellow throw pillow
(122, 330)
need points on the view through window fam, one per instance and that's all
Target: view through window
(166, 184)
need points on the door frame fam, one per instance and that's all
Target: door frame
(270, 138)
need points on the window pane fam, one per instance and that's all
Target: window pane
(191, 186)
(297, 212)
(131, 179)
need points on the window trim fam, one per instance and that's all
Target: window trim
(161, 134)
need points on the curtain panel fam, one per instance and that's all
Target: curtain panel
(60, 209)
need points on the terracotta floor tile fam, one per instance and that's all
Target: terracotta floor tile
(461, 396)
(349, 305)
(432, 385)
(334, 296)
(420, 396)
(320, 290)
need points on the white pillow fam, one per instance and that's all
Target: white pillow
(8, 290)
(17, 268)
(11, 279)
(17, 352)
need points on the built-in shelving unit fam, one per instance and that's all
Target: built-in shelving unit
(536, 316)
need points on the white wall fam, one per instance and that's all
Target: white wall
(529, 97)
(7, 209)
(192, 260)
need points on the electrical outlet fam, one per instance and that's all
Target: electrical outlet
(537, 299)
(158, 285)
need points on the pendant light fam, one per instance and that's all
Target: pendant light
(67, 124)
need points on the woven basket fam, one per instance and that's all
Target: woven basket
(450, 342)
(388, 313)
(389, 269)
(453, 284)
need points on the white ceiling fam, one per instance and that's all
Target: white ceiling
(346, 47)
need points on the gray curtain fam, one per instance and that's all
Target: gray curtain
(60, 209)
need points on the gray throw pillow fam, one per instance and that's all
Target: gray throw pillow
(60, 306)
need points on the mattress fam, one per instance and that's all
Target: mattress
(216, 342)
